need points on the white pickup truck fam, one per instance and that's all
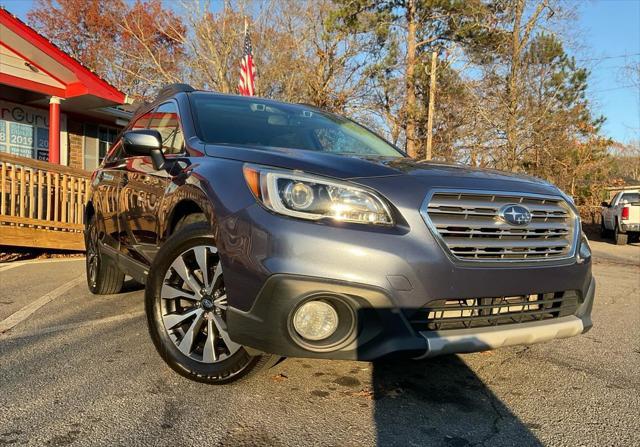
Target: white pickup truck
(621, 216)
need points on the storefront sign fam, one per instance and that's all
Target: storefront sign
(24, 131)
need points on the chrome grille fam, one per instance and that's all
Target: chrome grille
(469, 225)
(481, 312)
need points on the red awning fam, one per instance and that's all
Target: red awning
(31, 62)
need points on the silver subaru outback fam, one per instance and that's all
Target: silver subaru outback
(263, 230)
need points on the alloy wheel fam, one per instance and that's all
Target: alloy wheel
(194, 305)
(92, 256)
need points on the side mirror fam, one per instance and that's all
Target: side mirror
(144, 142)
(605, 204)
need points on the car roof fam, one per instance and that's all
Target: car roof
(254, 99)
(173, 90)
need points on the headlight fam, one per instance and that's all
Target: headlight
(309, 197)
(584, 252)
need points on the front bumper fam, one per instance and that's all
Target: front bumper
(486, 338)
(382, 330)
(387, 274)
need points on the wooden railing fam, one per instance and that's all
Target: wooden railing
(41, 204)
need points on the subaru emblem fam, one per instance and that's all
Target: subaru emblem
(515, 214)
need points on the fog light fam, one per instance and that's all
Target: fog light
(315, 320)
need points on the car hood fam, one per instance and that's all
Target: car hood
(368, 170)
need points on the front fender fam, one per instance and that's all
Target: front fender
(184, 192)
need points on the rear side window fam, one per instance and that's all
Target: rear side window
(165, 119)
(630, 197)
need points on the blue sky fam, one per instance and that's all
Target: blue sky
(609, 31)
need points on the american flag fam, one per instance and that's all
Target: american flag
(247, 85)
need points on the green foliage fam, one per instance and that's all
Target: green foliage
(564, 144)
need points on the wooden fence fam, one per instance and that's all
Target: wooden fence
(41, 204)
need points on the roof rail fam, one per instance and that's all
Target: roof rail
(174, 88)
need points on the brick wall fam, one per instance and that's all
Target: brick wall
(76, 151)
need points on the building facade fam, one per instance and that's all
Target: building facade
(52, 108)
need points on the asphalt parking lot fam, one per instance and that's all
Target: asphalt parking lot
(81, 370)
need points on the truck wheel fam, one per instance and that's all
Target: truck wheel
(186, 306)
(620, 238)
(103, 276)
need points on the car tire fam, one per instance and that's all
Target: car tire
(103, 275)
(620, 238)
(187, 327)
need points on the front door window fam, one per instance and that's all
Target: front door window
(166, 121)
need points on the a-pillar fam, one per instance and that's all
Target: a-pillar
(54, 130)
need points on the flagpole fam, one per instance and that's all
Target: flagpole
(246, 30)
(246, 86)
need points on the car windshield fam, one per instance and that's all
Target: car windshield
(241, 121)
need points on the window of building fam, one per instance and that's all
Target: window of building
(24, 131)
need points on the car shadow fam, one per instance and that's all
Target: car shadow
(131, 285)
(441, 402)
